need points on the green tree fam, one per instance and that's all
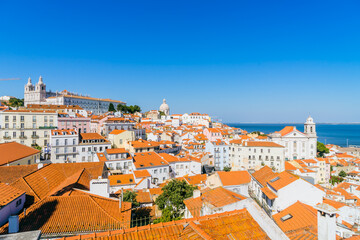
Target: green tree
(130, 196)
(171, 201)
(36, 146)
(16, 102)
(321, 149)
(111, 108)
(227, 169)
(342, 174)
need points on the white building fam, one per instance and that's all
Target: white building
(155, 164)
(245, 155)
(164, 107)
(38, 95)
(196, 119)
(117, 160)
(27, 126)
(11, 201)
(298, 145)
(220, 151)
(277, 191)
(90, 144)
(64, 146)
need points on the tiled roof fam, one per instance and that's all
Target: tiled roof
(237, 224)
(289, 166)
(269, 193)
(170, 158)
(301, 216)
(123, 179)
(92, 136)
(8, 194)
(116, 150)
(117, 131)
(263, 175)
(234, 178)
(143, 197)
(13, 151)
(101, 157)
(217, 197)
(149, 159)
(142, 173)
(196, 179)
(281, 180)
(74, 214)
(333, 203)
(42, 182)
(9, 174)
(144, 144)
(262, 144)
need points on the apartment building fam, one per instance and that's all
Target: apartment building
(27, 127)
(64, 146)
(245, 155)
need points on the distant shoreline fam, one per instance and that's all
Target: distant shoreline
(355, 123)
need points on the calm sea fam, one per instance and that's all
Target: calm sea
(339, 134)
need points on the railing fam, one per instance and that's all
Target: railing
(7, 137)
(23, 137)
(35, 137)
(49, 127)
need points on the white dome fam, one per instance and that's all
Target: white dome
(29, 82)
(164, 107)
(309, 120)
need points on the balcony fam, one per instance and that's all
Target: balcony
(35, 136)
(23, 137)
(7, 137)
(48, 127)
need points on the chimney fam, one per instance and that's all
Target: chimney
(326, 217)
(14, 224)
(196, 193)
(100, 187)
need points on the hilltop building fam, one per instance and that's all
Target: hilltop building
(164, 107)
(37, 94)
(298, 145)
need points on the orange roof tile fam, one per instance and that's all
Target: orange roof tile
(148, 159)
(263, 175)
(8, 194)
(74, 214)
(9, 174)
(116, 150)
(13, 151)
(262, 144)
(234, 178)
(143, 197)
(196, 179)
(92, 136)
(282, 180)
(301, 216)
(142, 173)
(123, 179)
(237, 224)
(333, 203)
(269, 193)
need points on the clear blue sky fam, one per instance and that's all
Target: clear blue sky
(243, 61)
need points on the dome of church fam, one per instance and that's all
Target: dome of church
(29, 83)
(164, 107)
(309, 120)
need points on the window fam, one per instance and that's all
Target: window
(34, 125)
(22, 125)
(83, 149)
(6, 125)
(14, 125)
(74, 149)
(14, 134)
(6, 118)
(66, 141)
(57, 142)
(22, 118)
(74, 141)
(29, 162)
(18, 202)
(34, 118)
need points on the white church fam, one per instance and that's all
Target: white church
(298, 145)
(37, 94)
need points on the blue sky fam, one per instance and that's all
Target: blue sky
(241, 61)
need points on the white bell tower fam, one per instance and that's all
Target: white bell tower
(310, 127)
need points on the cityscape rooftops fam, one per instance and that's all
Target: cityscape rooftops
(13, 151)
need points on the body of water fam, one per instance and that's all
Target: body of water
(339, 134)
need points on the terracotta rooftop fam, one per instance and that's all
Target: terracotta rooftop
(234, 178)
(8, 194)
(116, 150)
(196, 179)
(282, 180)
(123, 179)
(117, 131)
(237, 224)
(9, 174)
(44, 181)
(263, 175)
(149, 159)
(142, 173)
(262, 144)
(13, 151)
(143, 197)
(74, 214)
(92, 136)
(298, 216)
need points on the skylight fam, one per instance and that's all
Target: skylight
(286, 217)
(275, 179)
